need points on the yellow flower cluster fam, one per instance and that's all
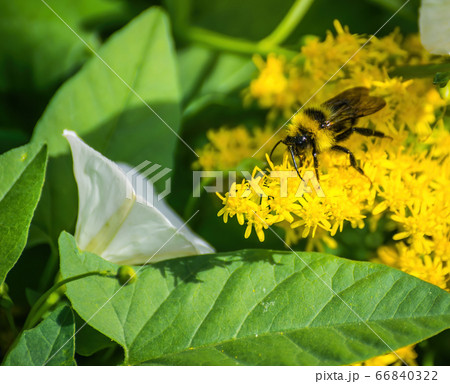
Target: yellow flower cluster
(406, 179)
(280, 196)
(227, 147)
(277, 85)
(413, 191)
(407, 354)
(285, 86)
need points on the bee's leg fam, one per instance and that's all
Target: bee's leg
(316, 162)
(370, 132)
(343, 135)
(300, 155)
(351, 156)
(291, 150)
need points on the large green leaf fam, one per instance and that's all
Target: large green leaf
(194, 64)
(108, 116)
(51, 342)
(36, 48)
(255, 307)
(22, 172)
(101, 108)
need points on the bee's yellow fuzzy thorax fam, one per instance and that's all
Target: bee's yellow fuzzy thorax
(301, 123)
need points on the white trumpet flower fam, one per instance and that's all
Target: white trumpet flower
(114, 223)
(434, 26)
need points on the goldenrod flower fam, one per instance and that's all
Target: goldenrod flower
(285, 86)
(227, 147)
(395, 168)
(281, 196)
(431, 268)
(406, 354)
(275, 85)
(324, 58)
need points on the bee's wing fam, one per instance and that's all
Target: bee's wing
(352, 104)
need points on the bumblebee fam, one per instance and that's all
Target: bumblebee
(322, 128)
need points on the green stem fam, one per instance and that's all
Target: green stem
(218, 41)
(51, 268)
(288, 24)
(267, 45)
(10, 319)
(419, 71)
(40, 307)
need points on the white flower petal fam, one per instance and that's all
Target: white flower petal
(113, 224)
(102, 190)
(200, 245)
(434, 26)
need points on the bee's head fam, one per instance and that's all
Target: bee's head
(301, 141)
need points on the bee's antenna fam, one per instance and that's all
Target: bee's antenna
(273, 149)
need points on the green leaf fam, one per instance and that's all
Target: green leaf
(88, 340)
(37, 48)
(22, 172)
(50, 343)
(441, 79)
(255, 307)
(209, 78)
(101, 108)
(108, 116)
(194, 63)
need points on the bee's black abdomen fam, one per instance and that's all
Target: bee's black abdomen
(315, 114)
